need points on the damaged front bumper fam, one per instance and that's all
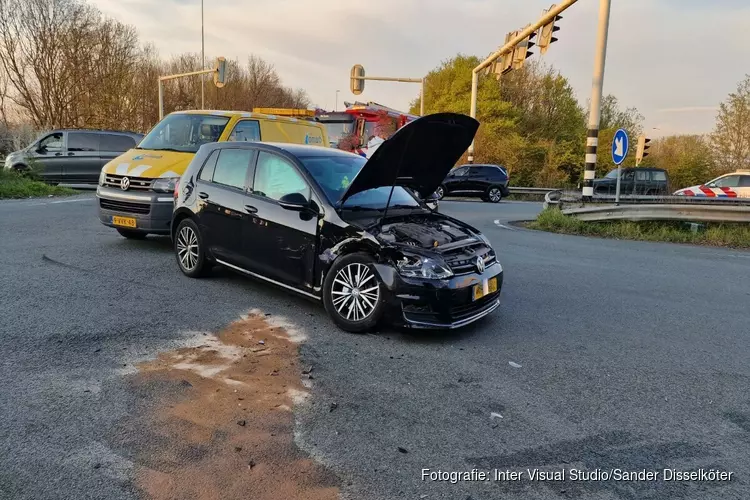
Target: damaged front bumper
(440, 304)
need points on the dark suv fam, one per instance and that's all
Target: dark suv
(634, 181)
(489, 182)
(73, 156)
(338, 228)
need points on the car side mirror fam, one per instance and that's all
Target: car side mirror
(41, 149)
(294, 201)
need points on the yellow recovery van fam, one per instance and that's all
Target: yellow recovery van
(136, 189)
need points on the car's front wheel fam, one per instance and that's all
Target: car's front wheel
(494, 195)
(189, 250)
(353, 294)
(440, 192)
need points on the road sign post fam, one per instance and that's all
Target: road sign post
(620, 146)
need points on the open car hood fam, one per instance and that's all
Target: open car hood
(418, 156)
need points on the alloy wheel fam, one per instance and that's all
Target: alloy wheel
(495, 195)
(355, 292)
(439, 192)
(187, 248)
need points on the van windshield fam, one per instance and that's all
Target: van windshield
(184, 132)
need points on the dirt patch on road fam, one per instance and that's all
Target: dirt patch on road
(224, 427)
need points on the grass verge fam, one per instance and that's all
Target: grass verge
(13, 185)
(712, 234)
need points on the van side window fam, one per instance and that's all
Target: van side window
(628, 175)
(641, 175)
(231, 167)
(246, 131)
(78, 141)
(116, 143)
(207, 172)
(275, 177)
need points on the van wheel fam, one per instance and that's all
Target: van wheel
(189, 249)
(353, 294)
(132, 235)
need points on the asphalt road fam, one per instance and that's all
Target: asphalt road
(604, 354)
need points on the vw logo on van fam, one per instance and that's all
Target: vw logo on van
(124, 183)
(480, 264)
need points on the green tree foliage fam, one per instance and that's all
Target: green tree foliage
(531, 120)
(687, 158)
(731, 138)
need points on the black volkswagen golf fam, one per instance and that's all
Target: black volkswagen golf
(333, 226)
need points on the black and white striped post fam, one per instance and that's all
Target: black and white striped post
(592, 136)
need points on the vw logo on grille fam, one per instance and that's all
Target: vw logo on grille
(124, 183)
(480, 264)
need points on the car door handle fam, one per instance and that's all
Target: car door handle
(58, 154)
(71, 154)
(251, 209)
(203, 195)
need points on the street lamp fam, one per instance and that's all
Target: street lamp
(203, 62)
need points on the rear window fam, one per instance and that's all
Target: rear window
(745, 181)
(658, 175)
(111, 142)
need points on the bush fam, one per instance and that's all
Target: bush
(714, 234)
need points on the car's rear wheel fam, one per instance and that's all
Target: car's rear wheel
(189, 250)
(494, 195)
(353, 294)
(131, 235)
(440, 192)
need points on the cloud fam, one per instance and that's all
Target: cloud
(689, 109)
(661, 55)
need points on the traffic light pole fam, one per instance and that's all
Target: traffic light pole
(402, 80)
(163, 79)
(509, 47)
(592, 135)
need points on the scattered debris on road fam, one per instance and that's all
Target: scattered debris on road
(403, 450)
(514, 365)
(199, 443)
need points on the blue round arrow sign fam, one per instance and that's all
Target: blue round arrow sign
(620, 145)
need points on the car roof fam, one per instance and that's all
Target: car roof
(95, 130)
(297, 150)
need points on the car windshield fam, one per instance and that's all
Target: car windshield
(611, 175)
(334, 174)
(184, 132)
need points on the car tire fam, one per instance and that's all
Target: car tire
(131, 235)
(440, 192)
(356, 269)
(493, 195)
(189, 250)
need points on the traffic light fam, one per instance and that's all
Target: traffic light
(506, 61)
(357, 84)
(643, 146)
(522, 52)
(547, 33)
(221, 72)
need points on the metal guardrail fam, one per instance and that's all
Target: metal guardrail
(529, 190)
(662, 211)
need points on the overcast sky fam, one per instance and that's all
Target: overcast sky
(674, 60)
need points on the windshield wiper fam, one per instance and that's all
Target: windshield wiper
(172, 149)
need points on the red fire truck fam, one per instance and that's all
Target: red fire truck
(353, 128)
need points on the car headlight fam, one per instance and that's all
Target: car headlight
(102, 177)
(165, 185)
(415, 266)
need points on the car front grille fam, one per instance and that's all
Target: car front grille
(463, 260)
(124, 206)
(460, 310)
(136, 183)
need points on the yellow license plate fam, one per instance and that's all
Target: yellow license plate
(485, 288)
(123, 221)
